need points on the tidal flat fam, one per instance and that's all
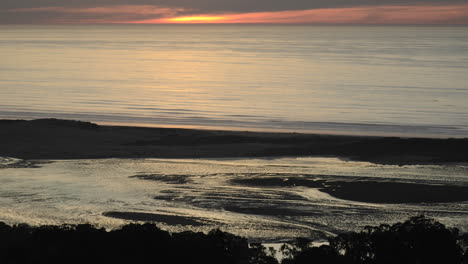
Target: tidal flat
(267, 187)
(262, 199)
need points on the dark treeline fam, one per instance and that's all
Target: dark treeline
(417, 241)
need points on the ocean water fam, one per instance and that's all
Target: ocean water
(370, 80)
(82, 191)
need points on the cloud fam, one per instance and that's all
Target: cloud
(234, 11)
(454, 14)
(236, 6)
(103, 14)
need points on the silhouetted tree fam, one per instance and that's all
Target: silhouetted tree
(419, 240)
(262, 255)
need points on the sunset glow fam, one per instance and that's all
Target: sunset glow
(415, 14)
(195, 19)
(456, 14)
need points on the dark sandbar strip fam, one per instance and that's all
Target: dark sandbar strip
(65, 139)
(174, 179)
(148, 217)
(371, 191)
(395, 193)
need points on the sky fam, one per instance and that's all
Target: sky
(382, 12)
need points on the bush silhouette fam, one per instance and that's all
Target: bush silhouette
(419, 240)
(133, 243)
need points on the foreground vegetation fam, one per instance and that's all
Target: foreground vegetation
(417, 241)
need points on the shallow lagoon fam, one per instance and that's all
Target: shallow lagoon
(267, 199)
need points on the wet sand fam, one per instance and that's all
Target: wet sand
(64, 139)
(60, 139)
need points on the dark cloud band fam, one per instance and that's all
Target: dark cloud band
(220, 5)
(34, 11)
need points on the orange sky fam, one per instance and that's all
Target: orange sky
(150, 14)
(415, 14)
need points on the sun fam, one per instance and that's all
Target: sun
(195, 19)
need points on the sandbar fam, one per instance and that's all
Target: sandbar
(68, 139)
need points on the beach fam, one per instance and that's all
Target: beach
(66, 139)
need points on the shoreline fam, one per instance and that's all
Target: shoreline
(66, 139)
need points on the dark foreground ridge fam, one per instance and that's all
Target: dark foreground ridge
(66, 139)
(418, 240)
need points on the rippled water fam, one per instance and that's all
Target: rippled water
(78, 191)
(352, 80)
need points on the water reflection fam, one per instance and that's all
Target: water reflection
(263, 199)
(411, 80)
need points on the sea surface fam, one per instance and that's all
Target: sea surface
(366, 80)
(210, 192)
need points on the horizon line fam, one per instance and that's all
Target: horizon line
(238, 24)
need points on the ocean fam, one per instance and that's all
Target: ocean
(358, 80)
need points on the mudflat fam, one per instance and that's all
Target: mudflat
(68, 139)
(151, 217)
(369, 191)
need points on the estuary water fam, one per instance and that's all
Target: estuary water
(367, 80)
(217, 194)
